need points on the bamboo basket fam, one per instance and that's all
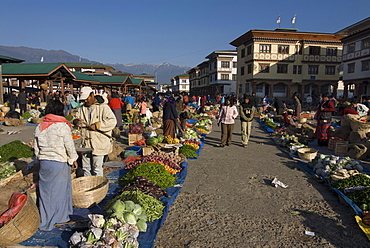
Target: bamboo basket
(88, 191)
(23, 226)
(307, 153)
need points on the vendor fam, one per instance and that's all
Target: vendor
(361, 109)
(323, 117)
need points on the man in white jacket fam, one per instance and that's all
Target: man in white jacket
(97, 122)
(361, 109)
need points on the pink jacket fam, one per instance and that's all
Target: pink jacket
(227, 115)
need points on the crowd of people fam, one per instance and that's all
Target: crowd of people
(100, 114)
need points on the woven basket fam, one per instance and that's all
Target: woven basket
(307, 153)
(23, 226)
(88, 191)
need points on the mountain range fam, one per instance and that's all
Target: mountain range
(163, 71)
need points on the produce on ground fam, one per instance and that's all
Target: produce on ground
(153, 171)
(146, 186)
(120, 229)
(188, 151)
(7, 170)
(334, 167)
(358, 180)
(360, 197)
(165, 160)
(13, 150)
(151, 206)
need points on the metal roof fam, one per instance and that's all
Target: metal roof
(6, 59)
(35, 69)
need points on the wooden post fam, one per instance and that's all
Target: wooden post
(62, 85)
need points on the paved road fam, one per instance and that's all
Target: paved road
(24, 133)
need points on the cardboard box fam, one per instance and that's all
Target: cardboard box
(132, 138)
(147, 150)
(341, 148)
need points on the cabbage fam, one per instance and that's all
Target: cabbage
(130, 205)
(129, 218)
(141, 225)
(118, 206)
(137, 209)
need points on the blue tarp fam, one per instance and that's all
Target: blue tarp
(268, 129)
(59, 237)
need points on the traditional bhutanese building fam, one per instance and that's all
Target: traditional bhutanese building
(280, 62)
(180, 83)
(356, 59)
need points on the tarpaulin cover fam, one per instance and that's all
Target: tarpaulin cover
(59, 237)
(269, 130)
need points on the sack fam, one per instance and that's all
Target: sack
(16, 202)
(128, 107)
(75, 104)
(136, 128)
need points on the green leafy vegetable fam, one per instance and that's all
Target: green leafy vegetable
(13, 150)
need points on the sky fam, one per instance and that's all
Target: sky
(179, 32)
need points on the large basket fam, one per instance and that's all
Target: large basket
(23, 226)
(307, 153)
(88, 191)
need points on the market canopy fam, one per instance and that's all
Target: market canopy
(37, 71)
(6, 59)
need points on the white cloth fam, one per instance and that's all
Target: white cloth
(362, 110)
(55, 143)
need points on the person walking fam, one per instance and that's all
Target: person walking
(323, 117)
(227, 116)
(116, 105)
(22, 100)
(55, 151)
(97, 121)
(246, 118)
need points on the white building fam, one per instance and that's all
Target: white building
(180, 83)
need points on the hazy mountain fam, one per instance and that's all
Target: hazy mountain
(164, 72)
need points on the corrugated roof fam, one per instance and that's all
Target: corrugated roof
(31, 68)
(84, 77)
(136, 81)
(6, 59)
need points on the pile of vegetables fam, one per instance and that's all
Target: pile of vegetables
(361, 198)
(13, 150)
(7, 170)
(120, 229)
(269, 122)
(146, 186)
(188, 151)
(152, 207)
(202, 129)
(153, 171)
(190, 134)
(26, 115)
(358, 180)
(155, 157)
(334, 167)
(192, 143)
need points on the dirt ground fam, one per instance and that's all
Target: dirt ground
(227, 201)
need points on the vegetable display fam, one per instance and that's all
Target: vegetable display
(6, 171)
(151, 206)
(146, 186)
(169, 161)
(153, 171)
(13, 150)
(188, 151)
(358, 180)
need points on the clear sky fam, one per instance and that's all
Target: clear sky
(180, 32)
